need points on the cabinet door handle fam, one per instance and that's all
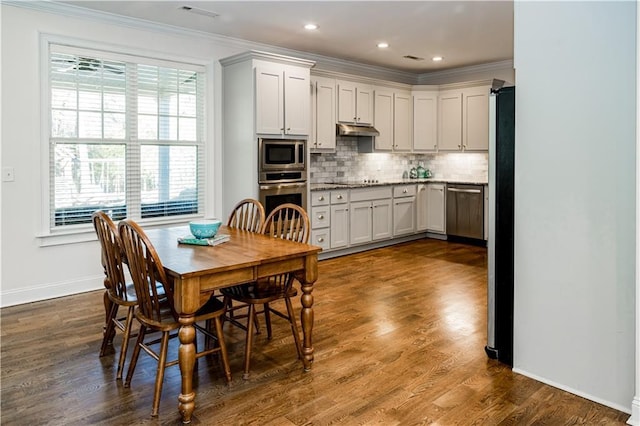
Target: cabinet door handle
(320, 216)
(321, 198)
(288, 129)
(404, 191)
(339, 197)
(320, 239)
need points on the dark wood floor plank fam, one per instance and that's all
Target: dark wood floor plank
(399, 339)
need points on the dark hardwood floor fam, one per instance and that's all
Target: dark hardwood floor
(399, 339)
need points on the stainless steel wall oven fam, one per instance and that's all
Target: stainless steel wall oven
(282, 172)
(272, 195)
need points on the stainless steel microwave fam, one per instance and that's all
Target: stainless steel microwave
(282, 160)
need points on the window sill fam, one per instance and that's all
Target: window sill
(86, 233)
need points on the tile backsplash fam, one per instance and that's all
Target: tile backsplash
(346, 164)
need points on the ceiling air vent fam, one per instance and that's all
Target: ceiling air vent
(413, 58)
(199, 11)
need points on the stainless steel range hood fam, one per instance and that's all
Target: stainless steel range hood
(355, 130)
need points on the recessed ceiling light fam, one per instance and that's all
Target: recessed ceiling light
(437, 58)
(311, 27)
(383, 45)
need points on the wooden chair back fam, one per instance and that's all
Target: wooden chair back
(247, 215)
(289, 222)
(146, 271)
(112, 254)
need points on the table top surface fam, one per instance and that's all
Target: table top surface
(244, 249)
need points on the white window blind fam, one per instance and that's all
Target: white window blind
(127, 136)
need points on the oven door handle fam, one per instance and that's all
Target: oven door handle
(283, 185)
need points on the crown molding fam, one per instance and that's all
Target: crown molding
(462, 71)
(268, 56)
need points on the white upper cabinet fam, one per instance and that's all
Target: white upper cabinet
(402, 121)
(425, 121)
(282, 100)
(475, 119)
(355, 102)
(392, 118)
(383, 119)
(450, 121)
(323, 106)
(463, 118)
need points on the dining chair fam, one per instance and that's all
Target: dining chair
(289, 222)
(157, 315)
(119, 292)
(247, 215)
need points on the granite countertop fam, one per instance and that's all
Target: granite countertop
(362, 184)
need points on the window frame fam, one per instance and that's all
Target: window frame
(51, 235)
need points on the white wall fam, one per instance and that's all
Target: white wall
(30, 272)
(575, 196)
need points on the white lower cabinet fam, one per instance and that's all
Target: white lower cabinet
(346, 218)
(381, 219)
(339, 225)
(360, 220)
(320, 220)
(339, 218)
(404, 209)
(320, 237)
(370, 218)
(436, 208)
(421, 207)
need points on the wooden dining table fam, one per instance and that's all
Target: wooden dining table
(198, 271)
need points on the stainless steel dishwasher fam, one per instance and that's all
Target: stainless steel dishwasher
(465, 210)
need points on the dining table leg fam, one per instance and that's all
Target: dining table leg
(307, 279)
(186, 303)
(187, 360)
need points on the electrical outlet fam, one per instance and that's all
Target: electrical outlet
(8, 174)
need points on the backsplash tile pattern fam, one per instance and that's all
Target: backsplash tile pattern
(347, 165)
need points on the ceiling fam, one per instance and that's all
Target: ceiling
(464, 33)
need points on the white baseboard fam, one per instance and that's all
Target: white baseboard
(574, 391)
(635, 411)
(50, 291)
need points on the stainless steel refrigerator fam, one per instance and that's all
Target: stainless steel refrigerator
(500, 241)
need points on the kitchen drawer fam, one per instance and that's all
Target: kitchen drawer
(404, 191)
(339, 197)
(320, 217)
(320, 237)
(320, 198)
(367, 194)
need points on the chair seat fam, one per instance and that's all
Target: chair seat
(213, 308)
(132, 299)
(258, 292)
